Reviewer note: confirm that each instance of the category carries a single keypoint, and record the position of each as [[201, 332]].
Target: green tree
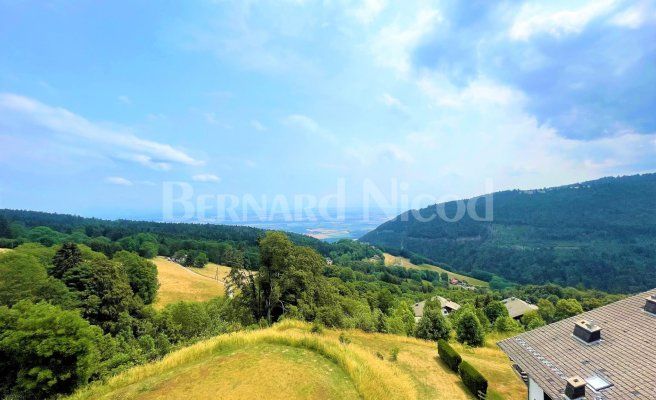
[[494, 310], [22, 277], [532, 320], [402, 319], [104, 291], [469, 330], [5, 231], [142, 275], [433, 325], [66, 258], [200, 260], [148, 249], [507, 324], [547, 310], [566, 308], [45, 350]]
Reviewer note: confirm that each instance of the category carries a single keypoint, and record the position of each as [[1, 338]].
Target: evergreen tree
[[66, 258], [5, 230]]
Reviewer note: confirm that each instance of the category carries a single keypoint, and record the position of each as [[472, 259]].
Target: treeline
[[219, 243], [599, 234]]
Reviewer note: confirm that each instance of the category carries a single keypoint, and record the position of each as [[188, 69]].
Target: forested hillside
[[600, 234], [219, 243]]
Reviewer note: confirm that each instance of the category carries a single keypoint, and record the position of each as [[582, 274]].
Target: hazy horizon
[[102, 104]]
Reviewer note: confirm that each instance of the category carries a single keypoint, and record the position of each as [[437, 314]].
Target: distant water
[[352, 224]]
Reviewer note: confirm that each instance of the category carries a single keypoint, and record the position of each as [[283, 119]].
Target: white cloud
[[117, 180], [368, 154], [368, 10], [392, 46], [206, 178], [309, 126], [257, 125], [302, 121], [635, 16], [65, 122], [147, 161], [537, 18], [125, 100], [392, 102]]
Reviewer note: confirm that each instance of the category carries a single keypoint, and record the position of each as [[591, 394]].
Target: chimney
[[587, 331], [575, 388], [650, 305]]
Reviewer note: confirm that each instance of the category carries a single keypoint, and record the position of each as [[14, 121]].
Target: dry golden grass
[[287, 362], [178, 283], [173, 377], [210, 270], [432, 379], [405, 263], [3, 250]]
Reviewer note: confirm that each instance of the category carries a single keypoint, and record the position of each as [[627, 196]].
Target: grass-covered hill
[[601, 234], [289, 361]]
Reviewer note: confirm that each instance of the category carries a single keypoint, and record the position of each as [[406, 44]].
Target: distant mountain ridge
[[601, 234]]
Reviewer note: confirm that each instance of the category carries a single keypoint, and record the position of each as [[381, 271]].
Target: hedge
[[473, 379], [448, 354]]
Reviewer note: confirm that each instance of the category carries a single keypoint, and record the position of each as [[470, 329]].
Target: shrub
[[507, 324], [343, 339], [448, 354], [472, 379], [394, 354], [316, 328]]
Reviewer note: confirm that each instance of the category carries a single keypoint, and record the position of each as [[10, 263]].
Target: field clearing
[[2, 250], [287, 362], [210, 270], [391, 260], [177, 283]]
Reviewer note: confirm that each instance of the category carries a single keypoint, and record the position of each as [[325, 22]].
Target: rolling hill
[[289, 362], [601, 234]]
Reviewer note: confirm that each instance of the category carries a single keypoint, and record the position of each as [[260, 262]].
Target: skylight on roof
[[597, 383]]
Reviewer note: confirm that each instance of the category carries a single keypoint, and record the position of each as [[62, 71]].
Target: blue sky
[[100, 103]]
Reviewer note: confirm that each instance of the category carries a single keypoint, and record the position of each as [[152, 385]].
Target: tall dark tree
[[66, 258], [5, 230]]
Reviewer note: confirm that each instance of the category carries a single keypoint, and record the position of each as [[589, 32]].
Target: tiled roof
[[517, 307], [625, 356], [418, 308]]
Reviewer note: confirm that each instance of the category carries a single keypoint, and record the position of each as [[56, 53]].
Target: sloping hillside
[[289, 362], [178, 283], [601, 234], [392, 261]]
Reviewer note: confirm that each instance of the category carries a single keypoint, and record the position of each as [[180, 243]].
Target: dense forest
[[598, 234], [218, 242], [71, 314]]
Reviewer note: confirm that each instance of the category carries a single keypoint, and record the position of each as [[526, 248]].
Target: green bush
[[448, 354], [472, 379]]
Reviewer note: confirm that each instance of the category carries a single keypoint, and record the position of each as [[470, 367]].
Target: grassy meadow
[[178, 283], [391, 260], [288, 361], [210, 270]]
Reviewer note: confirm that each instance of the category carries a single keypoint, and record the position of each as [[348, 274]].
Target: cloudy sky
[[100, 103]]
